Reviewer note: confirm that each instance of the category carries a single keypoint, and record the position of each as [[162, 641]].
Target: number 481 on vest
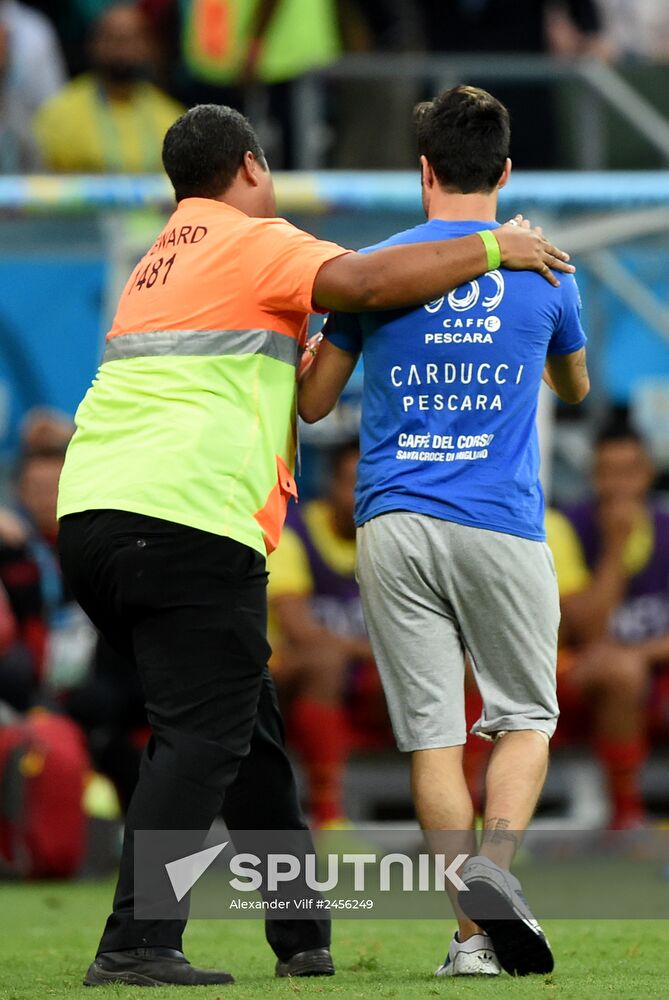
[[159, 268]]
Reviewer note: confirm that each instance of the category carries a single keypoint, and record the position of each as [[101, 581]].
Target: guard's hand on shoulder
[[526, 249]]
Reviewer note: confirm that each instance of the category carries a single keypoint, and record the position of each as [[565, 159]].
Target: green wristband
[[492, 248]]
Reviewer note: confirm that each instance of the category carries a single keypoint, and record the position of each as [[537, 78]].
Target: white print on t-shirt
[[423, 447], [467, 296], [446, 373], [487, 293]]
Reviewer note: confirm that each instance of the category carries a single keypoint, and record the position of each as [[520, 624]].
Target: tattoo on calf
[[497, 832]]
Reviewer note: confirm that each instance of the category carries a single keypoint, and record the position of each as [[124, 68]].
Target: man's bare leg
[[443, 802], [514, 779], [493, 897]]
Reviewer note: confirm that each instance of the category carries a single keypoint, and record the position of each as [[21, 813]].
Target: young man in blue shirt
[[452, 556]]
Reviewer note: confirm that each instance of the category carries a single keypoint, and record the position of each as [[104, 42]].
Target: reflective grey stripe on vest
[[213, 343]]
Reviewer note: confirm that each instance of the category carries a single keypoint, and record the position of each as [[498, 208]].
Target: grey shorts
[[433, 590]]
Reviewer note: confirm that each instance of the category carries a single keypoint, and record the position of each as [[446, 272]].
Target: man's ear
[[506, 173], [426, 174], [249, 169]]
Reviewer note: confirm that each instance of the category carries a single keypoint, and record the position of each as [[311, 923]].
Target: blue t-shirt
[[450, 394]]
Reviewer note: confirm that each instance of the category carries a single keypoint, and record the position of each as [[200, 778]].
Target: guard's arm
[[400, 276]]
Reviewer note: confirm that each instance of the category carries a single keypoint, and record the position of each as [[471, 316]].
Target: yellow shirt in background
[[288, 566], [79, 130], [570, 565]]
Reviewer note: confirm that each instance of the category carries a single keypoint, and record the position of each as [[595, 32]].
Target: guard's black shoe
[[315, 962], [151, 967], [494, 900]]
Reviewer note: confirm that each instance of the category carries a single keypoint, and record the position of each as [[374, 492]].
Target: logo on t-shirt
[[467, 296], [486, 292]]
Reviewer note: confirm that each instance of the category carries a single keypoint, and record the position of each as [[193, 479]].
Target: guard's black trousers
[[190, 608]]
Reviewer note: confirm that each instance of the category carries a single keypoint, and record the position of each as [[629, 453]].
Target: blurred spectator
[[96, 687], [322, 655], [517, 26], [7, 624], [73, 19], [31, 70], [638, 30], [18, 149], [23, 619], [374, 117], [612, 561], [37, 489], [35, 64], [45, 429], [29, 575], [111, 119], [22, 625], [248, 53], [70, 637]]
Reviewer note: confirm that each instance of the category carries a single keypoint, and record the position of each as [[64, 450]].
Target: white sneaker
[[473, 957]]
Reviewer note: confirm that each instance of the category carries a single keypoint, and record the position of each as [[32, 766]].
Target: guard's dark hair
[[204, 149], [465, 134]]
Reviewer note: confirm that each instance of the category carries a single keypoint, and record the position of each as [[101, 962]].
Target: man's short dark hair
[[204, 149], [465, 134]]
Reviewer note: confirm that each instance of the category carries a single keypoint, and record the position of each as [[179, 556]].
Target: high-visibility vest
[[191, 417], [302, 35]]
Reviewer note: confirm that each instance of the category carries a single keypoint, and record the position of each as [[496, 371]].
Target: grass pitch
[[48, 933]]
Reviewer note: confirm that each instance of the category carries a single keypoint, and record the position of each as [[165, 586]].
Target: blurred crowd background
[[89, 87]]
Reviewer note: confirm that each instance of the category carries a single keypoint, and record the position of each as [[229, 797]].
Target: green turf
[[48, 933]]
